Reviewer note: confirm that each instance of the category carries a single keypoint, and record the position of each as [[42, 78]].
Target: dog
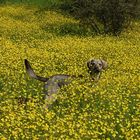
[[95, 67], [55, 82], [52, 83]]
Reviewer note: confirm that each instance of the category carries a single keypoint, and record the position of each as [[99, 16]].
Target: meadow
[[54, 43]]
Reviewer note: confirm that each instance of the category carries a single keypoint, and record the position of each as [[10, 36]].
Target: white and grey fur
[[52, 83], [95, 67], [55, 82]]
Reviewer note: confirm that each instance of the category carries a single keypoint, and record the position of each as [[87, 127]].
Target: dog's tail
[[32, 74]]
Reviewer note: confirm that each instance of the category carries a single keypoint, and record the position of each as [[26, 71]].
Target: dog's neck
[[94, 75]]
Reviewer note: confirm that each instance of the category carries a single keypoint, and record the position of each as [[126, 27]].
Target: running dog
[[55, 82], [52, 83]]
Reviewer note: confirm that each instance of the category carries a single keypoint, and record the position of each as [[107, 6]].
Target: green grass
[[40, 3], [54, 43]]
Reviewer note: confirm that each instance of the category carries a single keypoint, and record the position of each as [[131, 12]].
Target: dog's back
[[52, 83]]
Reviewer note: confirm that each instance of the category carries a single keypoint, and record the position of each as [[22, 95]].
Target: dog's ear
[[88, 64], [104, 64]]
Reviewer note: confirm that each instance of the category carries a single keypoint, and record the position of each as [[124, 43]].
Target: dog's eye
[[92, 63]]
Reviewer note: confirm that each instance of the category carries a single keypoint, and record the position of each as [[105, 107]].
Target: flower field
[[54, 44]]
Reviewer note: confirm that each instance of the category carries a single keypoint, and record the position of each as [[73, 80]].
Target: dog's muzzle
[[94, 67]]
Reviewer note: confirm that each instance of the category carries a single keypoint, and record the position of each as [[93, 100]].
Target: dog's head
[[96, 65]]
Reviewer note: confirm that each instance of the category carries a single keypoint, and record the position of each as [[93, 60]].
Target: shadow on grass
[[72, 29], [1, 84]]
